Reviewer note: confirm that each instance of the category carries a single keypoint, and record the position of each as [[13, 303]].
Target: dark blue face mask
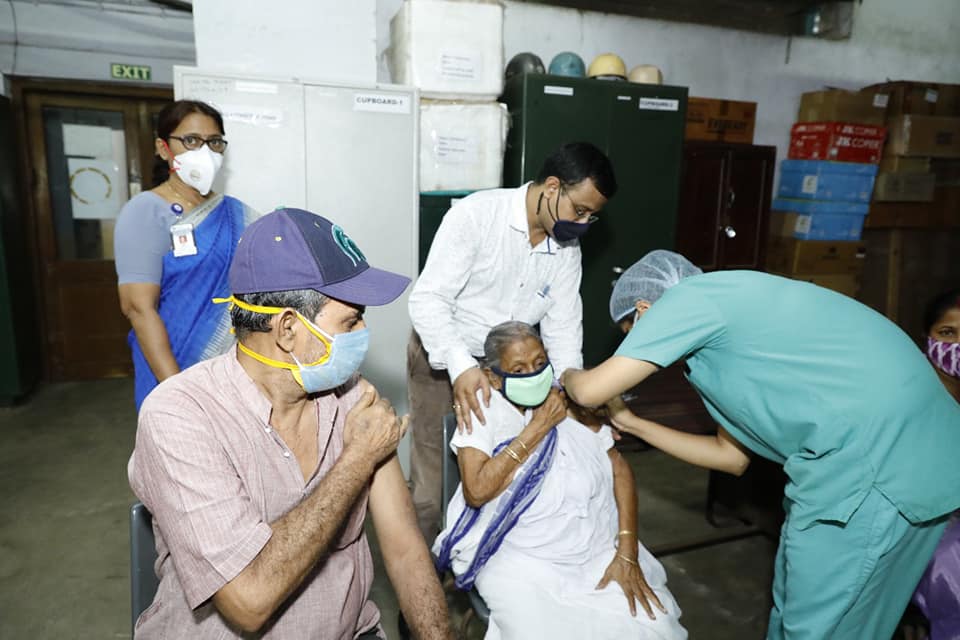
[[563, 230]]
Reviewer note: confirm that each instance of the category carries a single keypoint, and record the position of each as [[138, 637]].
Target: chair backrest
[[450, 470], [143, 555]]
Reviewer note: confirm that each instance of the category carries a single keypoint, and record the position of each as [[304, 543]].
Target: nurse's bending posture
[[822, 384], [545, 520]]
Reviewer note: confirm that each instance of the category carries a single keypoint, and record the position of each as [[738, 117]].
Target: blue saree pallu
[[516, 499], [197, 328]]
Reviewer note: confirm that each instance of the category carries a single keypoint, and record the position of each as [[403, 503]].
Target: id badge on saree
[[183, 241]]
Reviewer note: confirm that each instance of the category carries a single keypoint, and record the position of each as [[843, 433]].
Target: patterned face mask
[[944, 356]]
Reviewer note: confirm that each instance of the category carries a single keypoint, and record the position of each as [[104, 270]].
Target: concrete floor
[[64, 545]]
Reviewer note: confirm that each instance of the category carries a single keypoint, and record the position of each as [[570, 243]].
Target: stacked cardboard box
[[452, 51], [825, 189], [716, 120], [833, 265], [922, 153]]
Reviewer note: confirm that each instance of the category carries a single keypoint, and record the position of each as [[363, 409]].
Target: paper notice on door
[[381, 102], [87, 141], [94, 188], [659, 104], [459, 65], [809, 184], [880, 100], [454, 149]]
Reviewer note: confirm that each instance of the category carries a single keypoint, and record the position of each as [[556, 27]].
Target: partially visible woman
[[545, 518], [173, 246], [938, 593]]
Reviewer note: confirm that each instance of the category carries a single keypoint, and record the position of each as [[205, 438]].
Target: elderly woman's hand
[[626, 572], [552, 411]]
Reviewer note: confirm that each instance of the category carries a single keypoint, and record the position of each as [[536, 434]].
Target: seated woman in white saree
[[544, 521]]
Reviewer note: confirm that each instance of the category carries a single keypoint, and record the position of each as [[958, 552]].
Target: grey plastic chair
[[143, 555], [451, 478]]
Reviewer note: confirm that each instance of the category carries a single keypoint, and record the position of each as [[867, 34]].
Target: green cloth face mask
[[526, 389]]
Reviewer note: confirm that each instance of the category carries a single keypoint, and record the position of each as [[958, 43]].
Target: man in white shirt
[[502, 254]]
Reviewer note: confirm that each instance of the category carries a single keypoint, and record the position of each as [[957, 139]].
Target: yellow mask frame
[[324, 339]]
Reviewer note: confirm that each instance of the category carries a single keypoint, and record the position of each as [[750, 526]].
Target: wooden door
[[703, 190], [746, 207], [87, 153]]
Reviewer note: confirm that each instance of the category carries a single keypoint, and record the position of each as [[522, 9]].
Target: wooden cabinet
[[725, 192]]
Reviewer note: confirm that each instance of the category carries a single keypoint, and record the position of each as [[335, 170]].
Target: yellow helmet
[[645, 74], [607, 66]]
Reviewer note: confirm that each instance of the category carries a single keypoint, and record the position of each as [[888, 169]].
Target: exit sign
[[129, 71]]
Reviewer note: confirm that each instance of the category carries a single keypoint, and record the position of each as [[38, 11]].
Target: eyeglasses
[[579, 211], [192, 142]]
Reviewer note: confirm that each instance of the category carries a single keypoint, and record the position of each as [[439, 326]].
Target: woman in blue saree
[[173, 246]]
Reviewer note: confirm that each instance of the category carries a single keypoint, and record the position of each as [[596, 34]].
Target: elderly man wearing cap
[[259, 466], [816, 381]]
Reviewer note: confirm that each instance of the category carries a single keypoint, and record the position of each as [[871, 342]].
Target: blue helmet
[[568, 63]]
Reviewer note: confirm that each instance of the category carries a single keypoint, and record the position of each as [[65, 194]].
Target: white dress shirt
[[482, 271]]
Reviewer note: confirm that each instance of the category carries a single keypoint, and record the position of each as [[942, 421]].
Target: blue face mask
[[346, 352]]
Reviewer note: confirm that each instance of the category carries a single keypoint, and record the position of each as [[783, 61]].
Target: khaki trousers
[[430, 396]]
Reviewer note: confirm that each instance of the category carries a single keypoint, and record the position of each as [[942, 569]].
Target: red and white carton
[[837, 141]]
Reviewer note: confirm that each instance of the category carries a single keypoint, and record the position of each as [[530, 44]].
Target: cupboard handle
[[730, 231], [618, 270], [731, 197]]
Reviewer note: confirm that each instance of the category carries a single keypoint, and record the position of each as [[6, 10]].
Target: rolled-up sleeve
[[185, 477]]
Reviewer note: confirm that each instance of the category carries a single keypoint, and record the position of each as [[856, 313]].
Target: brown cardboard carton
[[900, 164], [932, 136], [944, 211], [837, 105], [847, 284], [919, 98], [946, 171], [904, 187], [790, 256], [720, 120], [915, 98]]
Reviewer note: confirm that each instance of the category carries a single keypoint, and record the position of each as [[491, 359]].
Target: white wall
[[891, 39], [81, 40], [329, 40]]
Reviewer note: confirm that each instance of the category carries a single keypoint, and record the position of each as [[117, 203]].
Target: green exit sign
[[129, 71]]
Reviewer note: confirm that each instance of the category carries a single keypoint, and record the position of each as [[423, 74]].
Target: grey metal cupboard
[[348, 153], [640, 128]]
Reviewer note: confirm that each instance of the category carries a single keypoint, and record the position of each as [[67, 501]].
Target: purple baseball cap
[[290, 249]]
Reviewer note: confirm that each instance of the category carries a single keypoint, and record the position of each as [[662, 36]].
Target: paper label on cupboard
[[381, 102], [659, 104]]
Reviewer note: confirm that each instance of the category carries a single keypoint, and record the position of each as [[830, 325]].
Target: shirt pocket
[[533, 309]]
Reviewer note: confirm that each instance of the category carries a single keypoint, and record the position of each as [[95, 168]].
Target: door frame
[[25, 90]]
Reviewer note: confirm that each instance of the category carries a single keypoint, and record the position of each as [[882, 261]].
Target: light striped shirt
[[214, 474]]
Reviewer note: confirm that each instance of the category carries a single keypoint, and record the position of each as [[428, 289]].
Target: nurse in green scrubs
[[825, 386]]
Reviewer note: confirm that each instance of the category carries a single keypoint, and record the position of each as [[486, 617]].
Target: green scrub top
[[816, 381]]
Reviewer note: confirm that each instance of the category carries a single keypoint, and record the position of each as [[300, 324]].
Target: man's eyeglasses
[[579, 211], [192, 142]]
